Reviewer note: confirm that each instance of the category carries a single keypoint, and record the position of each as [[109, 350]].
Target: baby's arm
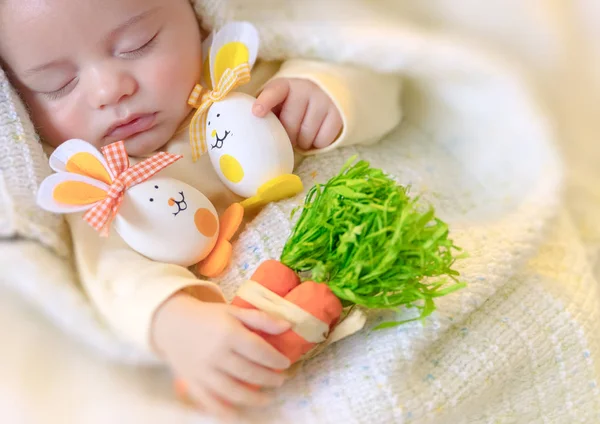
[[127, 288], [165, 309], [324, 106]]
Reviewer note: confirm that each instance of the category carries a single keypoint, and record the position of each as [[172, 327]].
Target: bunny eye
[[151, 199], [218, 114], [209, 123], [156, 187]]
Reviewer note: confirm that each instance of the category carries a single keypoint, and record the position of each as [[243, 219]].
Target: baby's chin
[[148, 142]]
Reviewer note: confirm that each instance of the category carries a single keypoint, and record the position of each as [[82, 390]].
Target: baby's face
[[103, 70]]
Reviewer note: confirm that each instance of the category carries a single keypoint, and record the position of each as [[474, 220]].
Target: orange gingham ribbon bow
[[202, 99], [124, 176]]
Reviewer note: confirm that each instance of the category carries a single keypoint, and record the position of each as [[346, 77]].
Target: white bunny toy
[[253, 156], [161, 218]]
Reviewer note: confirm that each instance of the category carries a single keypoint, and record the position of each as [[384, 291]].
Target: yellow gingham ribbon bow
[[202, 99]]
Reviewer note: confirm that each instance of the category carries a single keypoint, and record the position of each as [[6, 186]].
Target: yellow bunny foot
[[278, 188]]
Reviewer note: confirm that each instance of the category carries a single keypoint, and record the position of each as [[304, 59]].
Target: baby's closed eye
[[139, 48]]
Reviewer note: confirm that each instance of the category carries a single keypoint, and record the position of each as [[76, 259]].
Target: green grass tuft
[[372, 244]]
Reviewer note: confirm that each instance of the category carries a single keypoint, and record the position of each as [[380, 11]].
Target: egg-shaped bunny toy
[[246, 151], [253, 156], [161, 218], [168, 221]]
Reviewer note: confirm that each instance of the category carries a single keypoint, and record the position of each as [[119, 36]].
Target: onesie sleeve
[[126, 287], [369, 102]]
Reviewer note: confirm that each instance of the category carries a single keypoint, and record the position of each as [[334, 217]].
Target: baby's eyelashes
[[140, 51], [52, 80], [57, 94]]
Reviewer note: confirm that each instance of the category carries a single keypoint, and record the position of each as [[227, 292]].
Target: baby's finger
[[242, 369], [292, 113], [272, 95], [235, 392], [330, 129], [207, 402], [311, 123], [254, 348], [259, 320]]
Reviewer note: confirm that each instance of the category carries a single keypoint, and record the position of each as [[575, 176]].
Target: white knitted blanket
[[517, 345]]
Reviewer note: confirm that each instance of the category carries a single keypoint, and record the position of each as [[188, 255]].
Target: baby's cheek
[[58, 122], [174, 80]]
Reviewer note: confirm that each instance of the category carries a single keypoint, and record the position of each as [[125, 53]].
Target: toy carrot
[[368, 244], [312, 307]]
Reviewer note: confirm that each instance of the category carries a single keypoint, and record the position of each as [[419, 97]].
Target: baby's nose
[[171, 201], [109, 86]]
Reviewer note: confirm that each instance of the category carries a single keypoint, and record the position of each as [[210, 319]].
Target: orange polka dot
[[206, 222]]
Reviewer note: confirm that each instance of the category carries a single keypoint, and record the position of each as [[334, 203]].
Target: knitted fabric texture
[[517, 345]]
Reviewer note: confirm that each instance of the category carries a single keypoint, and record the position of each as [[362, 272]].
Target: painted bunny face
[[168, 221], [161, 218], [246, 151], [251, 155]]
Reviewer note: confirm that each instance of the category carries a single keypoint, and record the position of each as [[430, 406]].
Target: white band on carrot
[[307, 326]]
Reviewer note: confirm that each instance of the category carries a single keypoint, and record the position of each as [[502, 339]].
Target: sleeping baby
[[122, 70]]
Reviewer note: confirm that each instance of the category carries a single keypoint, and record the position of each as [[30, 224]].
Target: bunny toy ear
[[65, 192], [234, 44], [80, 157], [82, 179]]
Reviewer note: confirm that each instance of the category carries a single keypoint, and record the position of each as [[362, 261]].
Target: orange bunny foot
[[230, 221], [216, 262], [218, 259]]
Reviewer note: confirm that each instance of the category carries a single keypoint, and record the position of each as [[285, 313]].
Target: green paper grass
[[372, 244]]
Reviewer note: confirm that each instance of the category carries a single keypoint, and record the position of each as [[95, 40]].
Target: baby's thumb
[[261, 321]]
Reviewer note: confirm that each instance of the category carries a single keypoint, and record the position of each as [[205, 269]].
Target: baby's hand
[[307, 113], [209, 347]]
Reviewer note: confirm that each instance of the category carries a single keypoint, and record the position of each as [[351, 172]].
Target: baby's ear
[[79, 157], [206, 47], [234, 44], [68, 193]]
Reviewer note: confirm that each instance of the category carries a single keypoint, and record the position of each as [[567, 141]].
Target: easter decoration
[[360, 242], [161, 218], [252, 156]]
